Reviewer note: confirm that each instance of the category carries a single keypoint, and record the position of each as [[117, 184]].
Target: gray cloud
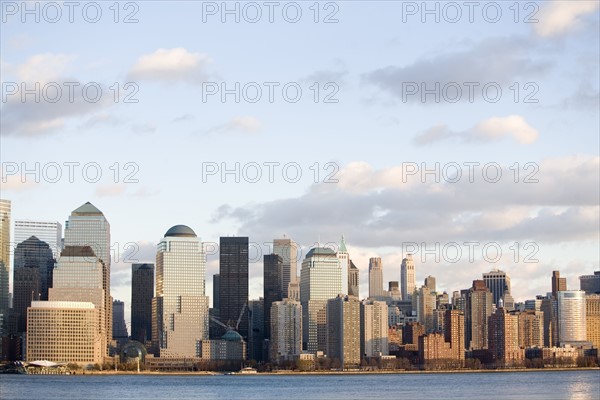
[[500, 60]]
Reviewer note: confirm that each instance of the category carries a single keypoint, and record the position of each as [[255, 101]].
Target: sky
[[465, 133]]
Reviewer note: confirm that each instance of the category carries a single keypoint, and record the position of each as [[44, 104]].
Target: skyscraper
[[531, 328], [343, 330], [592, 319], [233, 278], [375, 277], [87, 226], [478, 308], [498, 282], [571, 317], [79, 277], [590, 284], [256, 332], [430, 283], [286, 330], [407, 277], [34, 265], [46, 231], [216, 297], [320, 280], [373, 328], [287, 249], [344, 258], [454, 332], [272, 268], [503, 336], [119, 327], [142, 292], [180, 308], [353, 280], [424, 302], [558, 284], [5, 246]]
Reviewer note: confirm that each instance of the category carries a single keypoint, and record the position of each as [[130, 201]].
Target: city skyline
[[301, 251], [378, 149]]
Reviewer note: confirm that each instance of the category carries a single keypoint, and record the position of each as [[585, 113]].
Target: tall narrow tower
[[407, 277], [375, 277], [233, 281], [344, 258], [4, 255], [180, 308]]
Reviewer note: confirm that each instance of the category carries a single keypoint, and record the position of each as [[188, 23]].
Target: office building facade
[[142, 292], [180, 308]]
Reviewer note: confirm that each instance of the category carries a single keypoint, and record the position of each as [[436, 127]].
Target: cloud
[[474, 64], [560, 17], [391, 212], [491, 129], [14, 183], [43, 68], [171, 65], [57, 97], [244, 124]]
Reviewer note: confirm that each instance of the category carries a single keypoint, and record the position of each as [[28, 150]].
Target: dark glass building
[[233, 283], [142, 291], [272, 271], [34, 264]]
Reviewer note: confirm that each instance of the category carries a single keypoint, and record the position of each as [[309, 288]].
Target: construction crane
[[228, 327]]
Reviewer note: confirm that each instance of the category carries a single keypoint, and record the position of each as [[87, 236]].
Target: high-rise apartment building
[[343, 330], [5, 251], [498, 282], [320, 280], [571, 317], [592, 319], [233, 282], [87, 226], [33, 268], [344, 257], [375, 277], [287, 249], [49, 232], [142, 292], [286, 330], [503, 338], [407, 277], [272, 269], [180, 308], [373, 328], [478, 308], [531, 328], [454, 332]]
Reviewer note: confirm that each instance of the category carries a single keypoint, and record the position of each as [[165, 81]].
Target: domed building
[[180, 308]]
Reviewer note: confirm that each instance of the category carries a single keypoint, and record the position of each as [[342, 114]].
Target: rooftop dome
[[180, 231], [232, 336]]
